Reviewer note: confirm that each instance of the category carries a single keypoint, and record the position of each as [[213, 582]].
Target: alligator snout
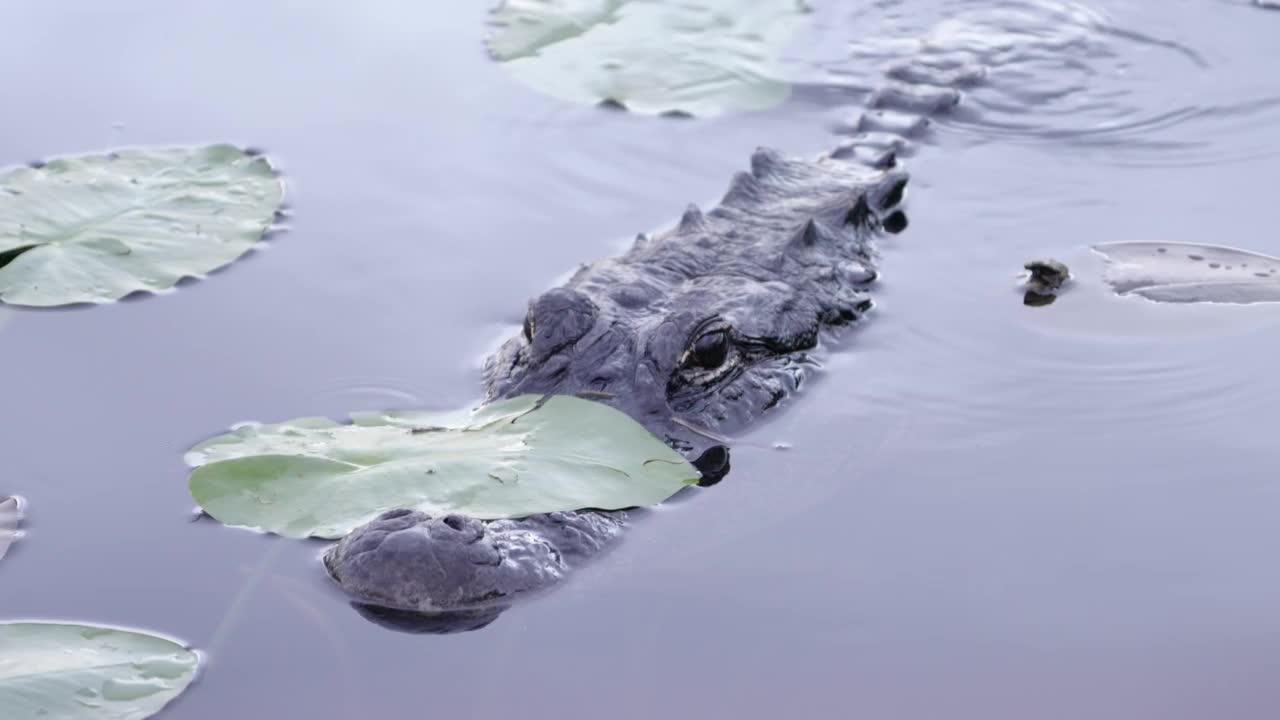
[[412, 561]]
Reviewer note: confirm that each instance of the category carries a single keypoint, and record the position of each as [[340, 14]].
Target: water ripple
[[974, 382], [1043, 71], [372, 392]]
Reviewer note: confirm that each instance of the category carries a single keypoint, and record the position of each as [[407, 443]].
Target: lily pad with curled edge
[[1189, 273], [530, 454], [95, 228], [10, 517], [698, 57], [53, 671]]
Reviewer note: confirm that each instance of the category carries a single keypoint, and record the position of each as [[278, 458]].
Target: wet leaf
[[314, 477], [10, 517], [51, 671], [95, 228], [702, 57], [1185, 272]]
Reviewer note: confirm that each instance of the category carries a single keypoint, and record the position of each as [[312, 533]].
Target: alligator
[[695, 332]]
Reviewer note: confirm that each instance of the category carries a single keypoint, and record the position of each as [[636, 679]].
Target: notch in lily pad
[[313, 477], [89, 672], [96, 228]]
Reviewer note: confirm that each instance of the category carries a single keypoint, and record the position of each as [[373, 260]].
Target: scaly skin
[[694, 332]]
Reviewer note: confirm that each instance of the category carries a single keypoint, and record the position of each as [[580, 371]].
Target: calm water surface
[[985, 511]]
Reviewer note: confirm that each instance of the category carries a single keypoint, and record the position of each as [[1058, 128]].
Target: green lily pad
[[701, 57], [1191, 272], [95, 228], [51, 671], [531, 454], [10, 517]]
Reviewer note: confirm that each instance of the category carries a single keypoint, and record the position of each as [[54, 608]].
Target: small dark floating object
[[676, 114], [613, 104], [1047, 274], [1047, 277]]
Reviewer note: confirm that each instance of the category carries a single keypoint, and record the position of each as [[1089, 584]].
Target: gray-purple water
[[987, 511]]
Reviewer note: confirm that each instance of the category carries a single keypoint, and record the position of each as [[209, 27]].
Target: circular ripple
[[372, 393], [1039, 70], [999, 372]]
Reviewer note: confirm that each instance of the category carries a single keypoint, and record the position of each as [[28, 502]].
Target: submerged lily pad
[[95, 228], [51, 671], [1187, 273], [531, 454], [10, 516], [702, 57]]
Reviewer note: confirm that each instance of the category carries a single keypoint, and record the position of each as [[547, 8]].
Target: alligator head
[[699, 330]]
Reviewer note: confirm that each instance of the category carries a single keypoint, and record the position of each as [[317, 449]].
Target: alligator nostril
[[457, 522], [895, 223], [713, 464]]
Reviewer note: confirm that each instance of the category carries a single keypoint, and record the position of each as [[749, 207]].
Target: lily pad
[[700, 57], [531, 454], [51, 671], [1188, 273], [95, 228], [10, 517]]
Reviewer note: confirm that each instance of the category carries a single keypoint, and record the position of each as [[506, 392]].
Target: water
[[986, 510]]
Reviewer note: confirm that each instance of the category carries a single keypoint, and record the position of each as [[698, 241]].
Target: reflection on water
[[987, 510], [416, 623]]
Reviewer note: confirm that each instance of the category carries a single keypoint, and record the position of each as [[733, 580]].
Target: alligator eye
[[709, 351], [528, 327]]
